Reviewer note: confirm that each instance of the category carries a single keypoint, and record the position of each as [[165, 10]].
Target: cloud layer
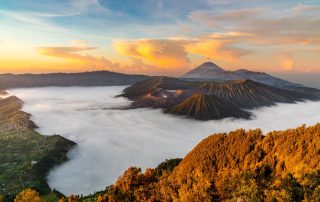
[[109, 141]]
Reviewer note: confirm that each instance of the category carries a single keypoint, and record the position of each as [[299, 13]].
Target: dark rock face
[[211, 71], [206, 107], [205, 100]]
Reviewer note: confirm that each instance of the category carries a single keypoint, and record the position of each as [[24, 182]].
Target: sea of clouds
[[109, 141]]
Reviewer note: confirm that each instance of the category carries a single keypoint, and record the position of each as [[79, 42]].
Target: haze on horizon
[[164, 37]]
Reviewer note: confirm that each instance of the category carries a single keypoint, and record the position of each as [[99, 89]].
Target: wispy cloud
[[43, 19], [213, 18], [305, 8], [74, 54]]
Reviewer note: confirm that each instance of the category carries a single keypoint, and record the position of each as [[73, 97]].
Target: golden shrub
[[28, 195]]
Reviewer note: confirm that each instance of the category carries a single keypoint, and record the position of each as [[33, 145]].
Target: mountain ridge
[[210, 70], [95, 78], [167, 93]]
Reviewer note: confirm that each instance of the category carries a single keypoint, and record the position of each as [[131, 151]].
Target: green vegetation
[[25, 155]]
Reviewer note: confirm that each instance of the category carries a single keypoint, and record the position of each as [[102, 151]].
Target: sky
[[159, 37]]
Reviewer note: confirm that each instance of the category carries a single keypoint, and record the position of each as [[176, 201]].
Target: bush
[[28, 195]]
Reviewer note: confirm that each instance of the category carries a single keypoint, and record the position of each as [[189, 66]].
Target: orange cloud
[[89, 62], [79, 43], [73, 54], [164, 53], [286, 62], [218, 47]]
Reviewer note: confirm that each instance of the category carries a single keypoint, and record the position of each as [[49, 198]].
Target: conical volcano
[[206, 107]]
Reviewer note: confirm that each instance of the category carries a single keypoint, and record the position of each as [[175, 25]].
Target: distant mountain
[[209, 70], [98, 78], [206, 107], [207, 100]]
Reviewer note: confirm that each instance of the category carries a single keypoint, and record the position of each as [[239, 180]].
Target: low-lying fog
[[109, 141]]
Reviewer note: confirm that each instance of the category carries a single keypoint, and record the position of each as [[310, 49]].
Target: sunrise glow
[[158, 37]]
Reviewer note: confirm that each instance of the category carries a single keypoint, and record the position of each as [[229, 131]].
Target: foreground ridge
[[242, 165]]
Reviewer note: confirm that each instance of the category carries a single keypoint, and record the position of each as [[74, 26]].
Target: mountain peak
[[206, 107], [205, 69], [209, 66]]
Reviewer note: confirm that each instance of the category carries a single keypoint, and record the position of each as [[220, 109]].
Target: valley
[[159, 101], [113, 140], [89, 110]]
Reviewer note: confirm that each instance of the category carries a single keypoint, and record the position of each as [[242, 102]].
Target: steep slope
[[210, 71], [265, 78], [26, 156], [250, 94], [98, 78], [207, 107], [152, 84]]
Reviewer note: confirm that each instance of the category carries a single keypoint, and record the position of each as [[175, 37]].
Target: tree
[[292, 187], [101, 199], [28, 195], [73, 198], [62, 199]]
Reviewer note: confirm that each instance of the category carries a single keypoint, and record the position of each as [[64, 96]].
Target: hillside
[[211, 71], [205, 107], [250, 94], [239, 166], [2, 92], [25, 155], [153, 83], [99, 78], [169, 94]]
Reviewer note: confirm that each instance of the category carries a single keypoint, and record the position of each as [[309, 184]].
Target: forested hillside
[[239, 166], [25, 155]]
